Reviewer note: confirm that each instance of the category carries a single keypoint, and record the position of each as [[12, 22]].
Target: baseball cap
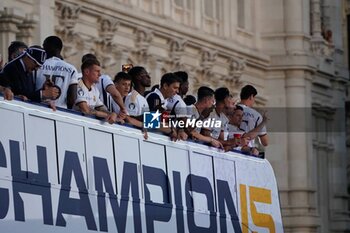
[[37, 54]]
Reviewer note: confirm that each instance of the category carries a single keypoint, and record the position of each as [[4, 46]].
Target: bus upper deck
[[63, 172]]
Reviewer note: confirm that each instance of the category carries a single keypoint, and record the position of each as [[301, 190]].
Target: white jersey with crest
[[90, 96], [251, 119], [61, 73], [177, 105], [215, 131], [136, 104], [102, 84]]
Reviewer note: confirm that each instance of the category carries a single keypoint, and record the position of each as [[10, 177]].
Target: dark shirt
[[19, 80], [154, 102]]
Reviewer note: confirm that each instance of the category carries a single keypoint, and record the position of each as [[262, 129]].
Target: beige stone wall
[[276, 45]]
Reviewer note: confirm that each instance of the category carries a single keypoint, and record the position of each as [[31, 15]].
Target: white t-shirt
[[62, 75], [180, 106], [232, 130], [91, 97], [251, 119], [215, 131], [135, 104], [102, 84], [193, 112]]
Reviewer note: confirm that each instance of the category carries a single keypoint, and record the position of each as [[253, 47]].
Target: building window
[[183, 4], [211, 9], [153, 6], [241, 13], [246, 14], [211, 15], [182, 11]]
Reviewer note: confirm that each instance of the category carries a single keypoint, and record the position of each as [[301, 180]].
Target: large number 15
[[259, 219]]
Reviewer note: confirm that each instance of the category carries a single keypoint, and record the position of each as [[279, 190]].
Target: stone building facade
[[294, 51]]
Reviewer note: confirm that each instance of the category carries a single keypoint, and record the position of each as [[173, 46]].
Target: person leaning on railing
[[88, 101]]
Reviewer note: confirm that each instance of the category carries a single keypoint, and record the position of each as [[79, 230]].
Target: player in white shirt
[[106, 88], [88, 95], [122, 82], [135, 103], [223, 102], [233, 127], [205, 101], [88, 100], [251, 117], [59, 73], [176, 104], [215, 115], [157, 101], [221, 94]]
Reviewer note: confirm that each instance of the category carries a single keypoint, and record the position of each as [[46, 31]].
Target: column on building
[[10, 18], [300, 215], [316, 19], [339, 197], [301, 190], [294, 26]]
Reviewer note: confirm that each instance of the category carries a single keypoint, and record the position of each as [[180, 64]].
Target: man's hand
[[254, 151], [181, 135], [52, 105], [228, 148], [145, 134], [22, 97], [123, 113], [8, 94], [216, 143], [173, 136], [111, 118], [244, 141], [50, 91]]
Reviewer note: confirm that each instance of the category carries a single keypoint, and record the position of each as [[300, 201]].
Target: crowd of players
[[40, 74]]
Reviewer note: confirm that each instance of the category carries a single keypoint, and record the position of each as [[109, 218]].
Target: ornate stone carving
[[208, 58], [26, 29], [236, 68], [177, 48], [9, 20], [143, 40], [321, 48], [107, 28], [68, 15]]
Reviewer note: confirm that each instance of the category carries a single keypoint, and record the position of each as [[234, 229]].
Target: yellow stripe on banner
[[263, 196], [244, 209]]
